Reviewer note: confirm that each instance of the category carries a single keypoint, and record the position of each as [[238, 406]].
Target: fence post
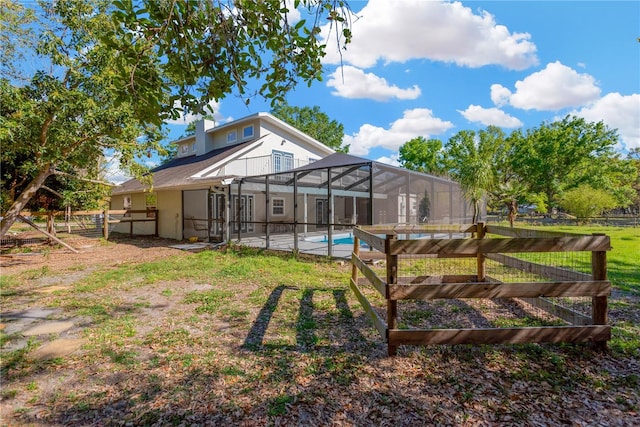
[[156, 214], [105, 224], [51, 229], [356, 252], [392, 305], [599, 304], [480, 229]]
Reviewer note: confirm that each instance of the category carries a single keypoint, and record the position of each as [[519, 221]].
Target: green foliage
[[196, 51], [314, 123], [634, 159], [423, 155], [533, 167], [586, 202], [560, 155], [110, 72], [470, 159]]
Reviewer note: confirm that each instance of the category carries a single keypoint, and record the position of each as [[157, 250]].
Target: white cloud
[[185, 119], [414, 123], [398, 31], [617, 112], [391, 160], [490, 116], [500, 95], [552, 89], [353, 83]]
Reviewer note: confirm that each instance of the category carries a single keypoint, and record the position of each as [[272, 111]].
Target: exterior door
[[242, 206], [217, 208], [322, 212]]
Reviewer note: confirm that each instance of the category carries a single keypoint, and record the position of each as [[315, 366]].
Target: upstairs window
[[282, 161], [193, 147], [184, 149], [232, 136], [247, 132]]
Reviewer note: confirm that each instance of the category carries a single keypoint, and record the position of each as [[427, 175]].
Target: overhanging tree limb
[[94, 181]]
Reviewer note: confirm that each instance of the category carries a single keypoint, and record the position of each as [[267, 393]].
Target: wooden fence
[[96, 223], [559, 282]]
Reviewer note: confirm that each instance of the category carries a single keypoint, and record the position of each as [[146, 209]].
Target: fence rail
[[90, 223], [551, 284]]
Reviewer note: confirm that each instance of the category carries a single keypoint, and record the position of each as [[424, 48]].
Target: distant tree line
[[570, 164]]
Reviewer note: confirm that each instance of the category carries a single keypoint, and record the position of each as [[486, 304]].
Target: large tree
[[422, 155], [108, 73], [634, 158], [469, 161], [554, 157], [314, 123]]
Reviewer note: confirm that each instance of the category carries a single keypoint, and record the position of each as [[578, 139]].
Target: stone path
[[35, 322]]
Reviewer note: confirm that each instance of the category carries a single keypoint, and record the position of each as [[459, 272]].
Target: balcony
[[262, 165]]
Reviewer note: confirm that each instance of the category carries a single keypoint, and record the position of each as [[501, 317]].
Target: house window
[[247, 132], [232, 136], [126, 202], [184, 149], [193, 147], [282, 161], [277, 206]]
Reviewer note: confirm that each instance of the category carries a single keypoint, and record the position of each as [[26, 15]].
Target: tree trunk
[[512, 206], [12, 213]]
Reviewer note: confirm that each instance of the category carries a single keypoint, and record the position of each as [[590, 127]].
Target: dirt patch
[[92, 252]]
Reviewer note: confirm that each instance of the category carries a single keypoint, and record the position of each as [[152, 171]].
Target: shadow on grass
[[306, 325]]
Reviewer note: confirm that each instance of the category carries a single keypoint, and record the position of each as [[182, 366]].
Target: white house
[[190, 192]]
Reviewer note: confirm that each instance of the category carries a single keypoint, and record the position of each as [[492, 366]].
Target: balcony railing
[[251, 166]]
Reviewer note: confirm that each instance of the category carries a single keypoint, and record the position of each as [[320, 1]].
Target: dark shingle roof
[[178, 171]]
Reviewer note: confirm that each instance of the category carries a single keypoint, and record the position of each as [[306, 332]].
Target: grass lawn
[[247, 337], [623, 261]]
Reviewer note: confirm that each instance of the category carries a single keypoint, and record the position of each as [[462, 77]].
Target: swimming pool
[[338, 239]]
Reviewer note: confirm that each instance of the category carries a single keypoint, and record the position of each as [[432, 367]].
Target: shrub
[[585, 202]]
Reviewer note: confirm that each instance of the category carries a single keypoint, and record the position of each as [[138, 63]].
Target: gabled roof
[[269, 118], [178, 172]]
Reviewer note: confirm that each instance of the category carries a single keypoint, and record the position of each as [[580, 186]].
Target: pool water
[[341, 240]]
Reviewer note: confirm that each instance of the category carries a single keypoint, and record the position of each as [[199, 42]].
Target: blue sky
[[431, 69]]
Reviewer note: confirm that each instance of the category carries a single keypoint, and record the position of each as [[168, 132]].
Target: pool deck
[[311, 243], [306, 244]]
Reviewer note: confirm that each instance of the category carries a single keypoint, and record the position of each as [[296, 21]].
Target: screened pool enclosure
[[313, 208]]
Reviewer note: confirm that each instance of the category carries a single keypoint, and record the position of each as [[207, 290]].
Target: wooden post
[[392, 305], [599, 304], [130, 224], [157, 214], [480, 229], [356, 251], [51, 229], [105, 224]]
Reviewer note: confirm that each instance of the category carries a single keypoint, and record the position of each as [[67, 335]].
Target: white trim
[[267, 117]]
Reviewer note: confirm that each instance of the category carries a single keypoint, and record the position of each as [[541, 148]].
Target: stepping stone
[[48, 328], [18, 321], [58, 348]]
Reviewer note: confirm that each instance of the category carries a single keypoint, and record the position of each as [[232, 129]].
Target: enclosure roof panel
[[333, 161]]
